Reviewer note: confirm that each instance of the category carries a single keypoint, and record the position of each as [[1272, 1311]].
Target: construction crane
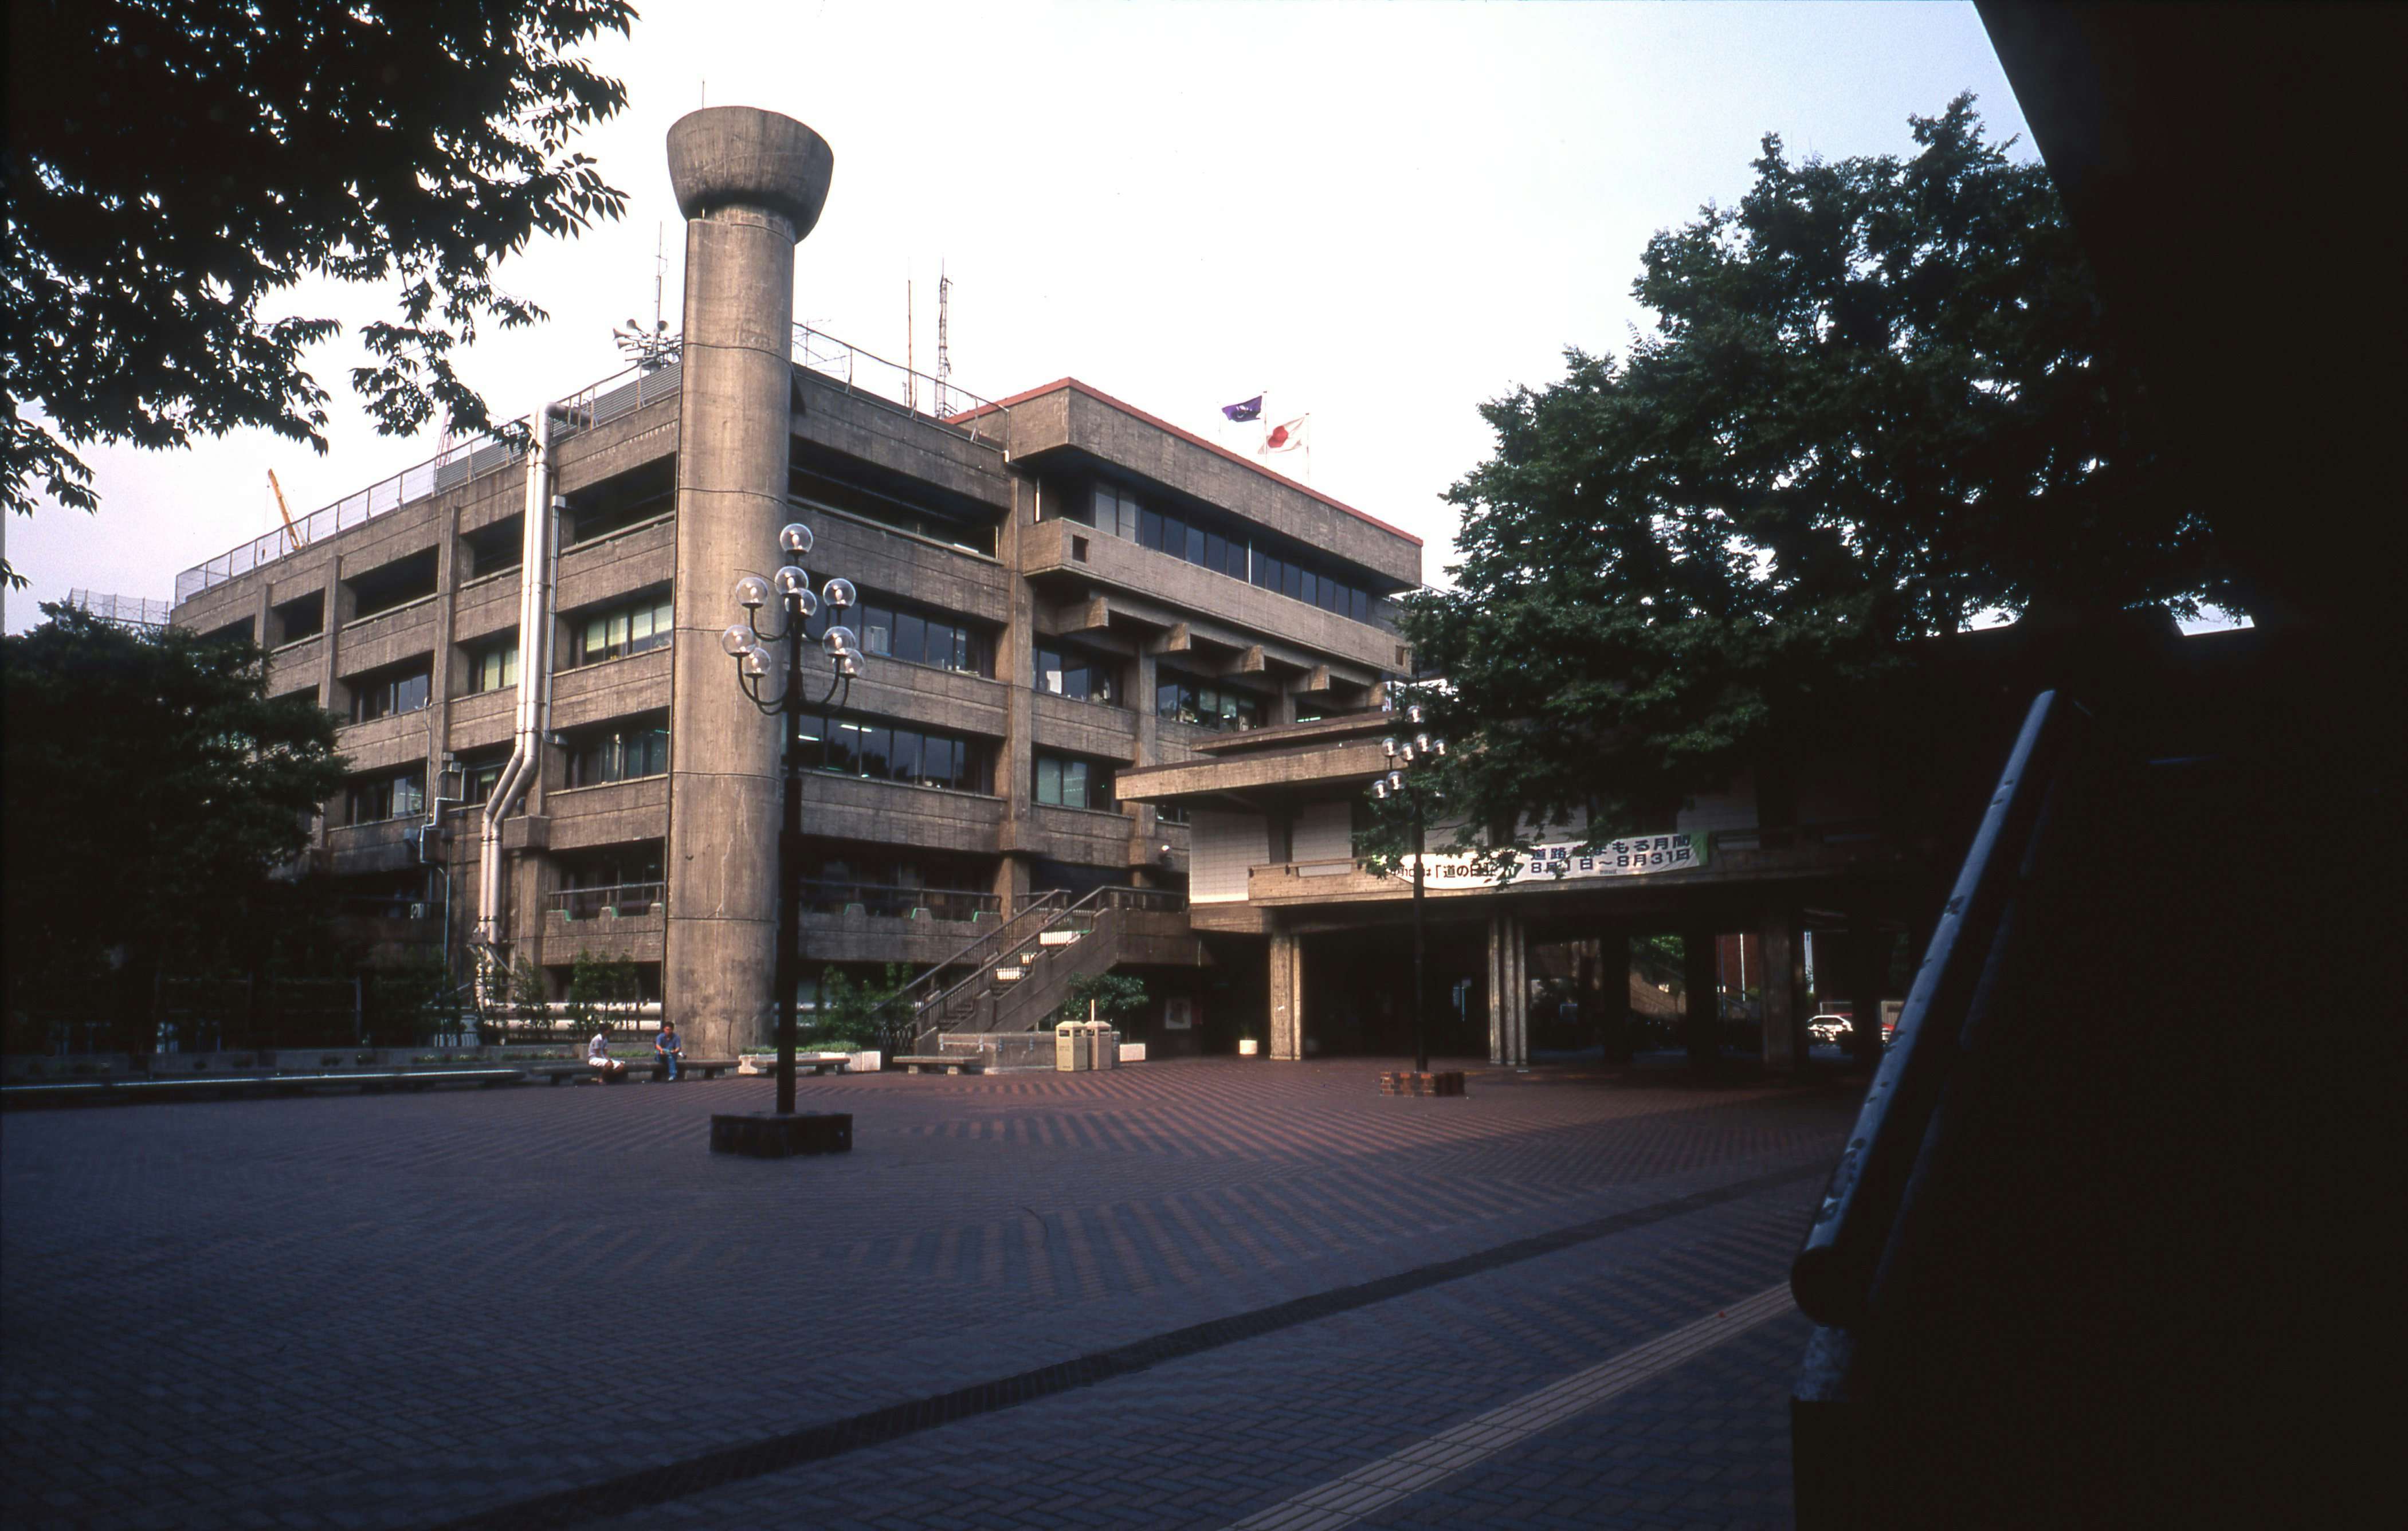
[[291, 532]]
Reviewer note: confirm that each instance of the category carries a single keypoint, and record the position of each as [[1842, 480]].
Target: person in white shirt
[[597, 1053]]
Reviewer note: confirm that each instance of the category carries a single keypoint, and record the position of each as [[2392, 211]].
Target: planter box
[[1132, 1053], [1249, 1048]]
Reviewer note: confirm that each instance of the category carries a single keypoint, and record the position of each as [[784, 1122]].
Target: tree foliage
[[861, 1015], [1111, 994], [154, 796], [1877, 400], [175, 165]]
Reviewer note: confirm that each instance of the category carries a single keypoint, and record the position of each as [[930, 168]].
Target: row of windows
[[1192, 699], [1066, 672], [405, 688], [922, 637], [400, 796], [494, 666], [624, 752], [1068, 781], [1116, 511], [882, 751], [632, 629]]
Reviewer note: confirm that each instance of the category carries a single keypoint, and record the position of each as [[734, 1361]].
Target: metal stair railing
[[928, 991], [964, 997], [1835, 1272]]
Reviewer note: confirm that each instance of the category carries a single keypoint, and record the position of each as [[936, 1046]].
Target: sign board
[[1637, 855], [1178, 1013]]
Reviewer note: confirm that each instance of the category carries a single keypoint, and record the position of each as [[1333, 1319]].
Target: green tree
[[861, 1015], [600, 988], [1110, 993], [154, 798], [175, 165], [1878, 399], [529, 994]]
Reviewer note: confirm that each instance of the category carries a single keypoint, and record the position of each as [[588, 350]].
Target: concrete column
[[1614, 991], [1509, 992], [1784, 990], [1867, 971], [1287, 997], [1701, 976], [750, 184]]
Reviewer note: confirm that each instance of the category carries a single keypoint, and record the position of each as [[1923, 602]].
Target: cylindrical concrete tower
[[751, 184]]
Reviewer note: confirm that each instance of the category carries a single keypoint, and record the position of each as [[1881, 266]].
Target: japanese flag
[[1285, 438]]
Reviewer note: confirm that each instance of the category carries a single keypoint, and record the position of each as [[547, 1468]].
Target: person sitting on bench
[[666, 1049], [598, 1053]]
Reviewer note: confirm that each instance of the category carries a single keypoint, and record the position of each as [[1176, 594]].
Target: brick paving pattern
[[404, 1311]]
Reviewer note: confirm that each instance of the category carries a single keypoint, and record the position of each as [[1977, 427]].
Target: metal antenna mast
[[944, 355]]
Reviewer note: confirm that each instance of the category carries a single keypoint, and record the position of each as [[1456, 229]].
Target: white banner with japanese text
[[1635, 856]]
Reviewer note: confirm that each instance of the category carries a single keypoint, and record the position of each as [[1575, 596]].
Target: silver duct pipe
[[537, 541]]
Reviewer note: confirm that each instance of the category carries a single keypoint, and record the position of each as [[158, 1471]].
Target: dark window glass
[[1172, 813], [1189, 699], [1358, 604], [1149, 527], [911, 637], [903, 756], [1198, 544], [400, 796], [1267, 571], [870, 746], [405, 689], [632, 629], [1216, 552], [1291, 581], [1235, 564], [1066, 781], [1308, 588], [620, 752], [876, 624], [494, 666]]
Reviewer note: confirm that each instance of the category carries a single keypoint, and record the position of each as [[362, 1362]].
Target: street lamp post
[[748, 645], [1419, 750]]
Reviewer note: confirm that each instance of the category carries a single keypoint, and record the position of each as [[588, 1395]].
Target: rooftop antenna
[[653, 349], [911, 367], [944, 352]]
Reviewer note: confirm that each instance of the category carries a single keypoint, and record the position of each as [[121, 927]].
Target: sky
[[1378, 215]]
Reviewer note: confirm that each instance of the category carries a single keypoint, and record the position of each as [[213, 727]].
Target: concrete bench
[[709, 1068], [805, 1063], [950, 1063]]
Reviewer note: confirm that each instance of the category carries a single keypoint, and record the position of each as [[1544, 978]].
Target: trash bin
[[1100, 1044], [1111, 1047], [1070, 1048]]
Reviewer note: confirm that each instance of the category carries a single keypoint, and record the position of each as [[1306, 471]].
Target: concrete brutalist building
[[550, 752]]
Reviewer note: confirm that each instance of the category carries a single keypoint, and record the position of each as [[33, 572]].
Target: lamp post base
[[1407, 1083], [767, 1134]]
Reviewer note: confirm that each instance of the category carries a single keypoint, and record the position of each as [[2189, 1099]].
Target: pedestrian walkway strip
[[1368, 1491], [673, 1480]]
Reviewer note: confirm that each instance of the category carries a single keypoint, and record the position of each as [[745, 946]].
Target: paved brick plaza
[[554, 1306]]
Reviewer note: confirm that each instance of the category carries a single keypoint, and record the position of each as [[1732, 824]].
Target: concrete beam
[[1177, 638]]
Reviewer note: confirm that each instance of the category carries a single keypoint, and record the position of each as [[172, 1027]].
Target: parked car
[[1830, 1028]]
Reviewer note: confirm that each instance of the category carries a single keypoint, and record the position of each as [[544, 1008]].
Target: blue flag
[[1251, 409]]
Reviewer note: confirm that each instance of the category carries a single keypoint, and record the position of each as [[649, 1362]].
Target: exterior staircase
[[1018, 978]]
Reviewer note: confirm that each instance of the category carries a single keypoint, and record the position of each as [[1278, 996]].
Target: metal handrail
[[593, 404], [897, 896], [587, 903], [1113, 896], [929, 978], [1834, 1271]]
